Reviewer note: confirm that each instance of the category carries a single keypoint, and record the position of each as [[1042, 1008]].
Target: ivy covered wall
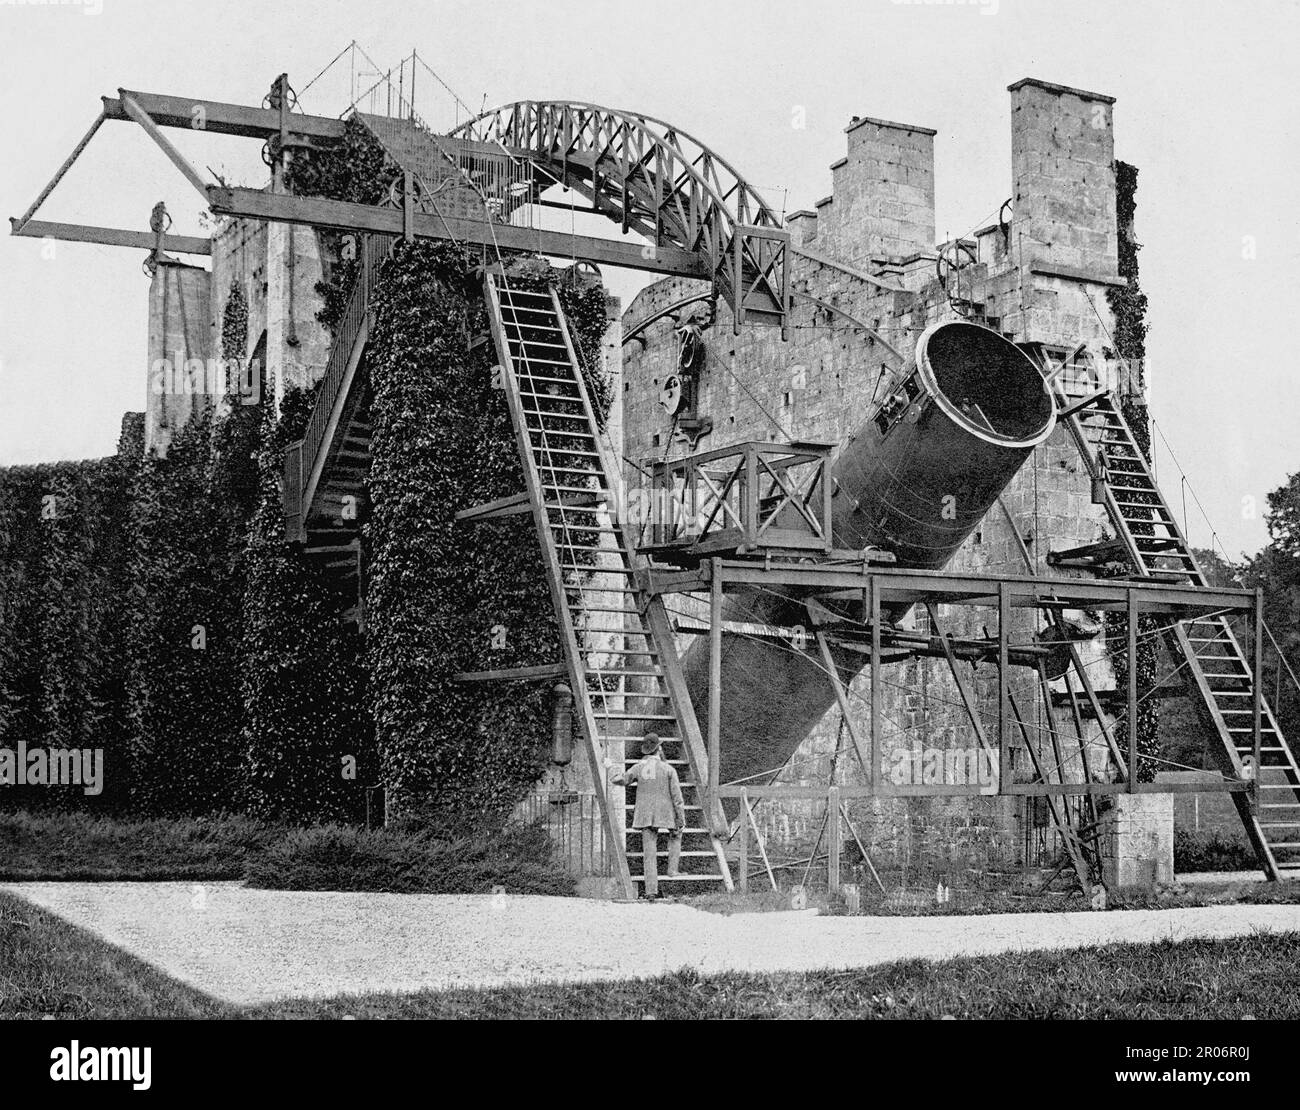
[[1129, 305], [158, 612], [447, 596], [64, 569]]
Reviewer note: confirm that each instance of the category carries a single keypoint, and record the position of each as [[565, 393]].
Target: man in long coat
[[659, 808]]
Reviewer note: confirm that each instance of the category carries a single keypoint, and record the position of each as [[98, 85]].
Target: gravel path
[[250, 946]]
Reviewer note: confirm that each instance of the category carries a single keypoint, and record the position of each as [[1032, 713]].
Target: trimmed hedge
[[83, 847], [1212, 852], [520, 861]]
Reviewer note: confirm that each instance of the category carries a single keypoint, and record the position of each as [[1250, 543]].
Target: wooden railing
[[302, 458], [749, 497]]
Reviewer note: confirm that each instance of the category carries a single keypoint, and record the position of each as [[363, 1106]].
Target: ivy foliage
[[445, 597], [62, 570], [1129, 306], [358, 170], [306, 735], [158, 611], [184, 632]]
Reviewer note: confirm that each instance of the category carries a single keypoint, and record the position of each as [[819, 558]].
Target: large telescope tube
[[916, 480]]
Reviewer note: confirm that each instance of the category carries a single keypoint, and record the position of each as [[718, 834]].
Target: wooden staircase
[[325, 471], [618, 646], [1215, 670]]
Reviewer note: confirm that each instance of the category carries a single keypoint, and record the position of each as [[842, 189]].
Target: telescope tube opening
[[986, 383]]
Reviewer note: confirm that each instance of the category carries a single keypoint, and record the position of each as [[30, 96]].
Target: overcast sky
[[1207, 96]]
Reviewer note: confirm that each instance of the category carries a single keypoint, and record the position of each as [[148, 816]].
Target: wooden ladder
[[618, 645], [1216, 672]]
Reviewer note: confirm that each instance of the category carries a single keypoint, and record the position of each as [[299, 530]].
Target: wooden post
[[1132, 610], [968, 700], [1257, 687], [715, 677], [749, 495], [743, 876], [841, 697], [408, 207], [758, 839], [1004, 684], [873, 589], [833, 839], [828, 491]]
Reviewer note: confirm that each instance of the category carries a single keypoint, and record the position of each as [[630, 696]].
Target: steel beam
[[1030, 789], [58, 175], [221, 118], [109, 236], [344, 216], [151, 129], [902, 585]]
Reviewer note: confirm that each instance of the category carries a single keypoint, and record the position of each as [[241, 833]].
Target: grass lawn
[[50, 967], [963, 903]]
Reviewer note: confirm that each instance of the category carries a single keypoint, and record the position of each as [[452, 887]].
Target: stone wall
[[277, 267], [1039, 274], [282, 298], [179, 346], [1137, 839]]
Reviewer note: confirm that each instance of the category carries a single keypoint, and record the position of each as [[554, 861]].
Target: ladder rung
[[558, 381], [683, 878], [546, 311], [636, 716], [595, 494], [598, 570], [515, 330], [611, 736]]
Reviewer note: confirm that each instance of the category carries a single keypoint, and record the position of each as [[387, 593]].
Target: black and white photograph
[[599, 510]]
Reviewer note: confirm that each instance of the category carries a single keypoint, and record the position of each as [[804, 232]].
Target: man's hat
[[650, 743]]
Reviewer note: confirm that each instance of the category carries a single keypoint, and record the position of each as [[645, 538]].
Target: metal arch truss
[[660, 182]]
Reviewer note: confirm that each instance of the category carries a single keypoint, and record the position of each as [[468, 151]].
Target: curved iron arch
[[657, 180]]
